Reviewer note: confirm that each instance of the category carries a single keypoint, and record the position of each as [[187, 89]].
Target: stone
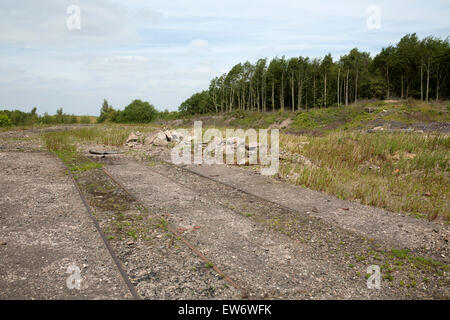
[[148, 141], [168, 134], [161, 139], [132, 138]]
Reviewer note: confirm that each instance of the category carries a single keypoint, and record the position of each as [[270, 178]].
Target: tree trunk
[[273, 96], [387, 77], [282, 92], [437, 85], [325, 92], [421, 81], [306, 98], [428, 81], [263, 94], [338, 95], [401, 96], [293, 93], [258, 105], [300, 92], [346, 88], [314, 92]]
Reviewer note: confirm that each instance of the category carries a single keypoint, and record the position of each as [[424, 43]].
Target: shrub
[[137, 112], [4, 121], [20, 118]]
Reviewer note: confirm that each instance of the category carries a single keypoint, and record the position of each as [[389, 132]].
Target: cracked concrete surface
[[45, 228]]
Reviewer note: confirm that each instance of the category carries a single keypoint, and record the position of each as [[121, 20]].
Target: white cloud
[[199, 44], [43, 23], [164, 51], [119, 64]]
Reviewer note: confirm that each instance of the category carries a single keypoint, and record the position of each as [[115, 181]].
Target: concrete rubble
[[162, 138]]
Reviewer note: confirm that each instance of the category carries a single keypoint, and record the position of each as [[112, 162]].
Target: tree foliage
[[20, 118], [198, 103], [413, 68], [105, 112], [4, 121]]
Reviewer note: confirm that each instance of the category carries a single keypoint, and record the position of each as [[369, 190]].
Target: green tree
[[138, 112], [198, 103], [105, 112]]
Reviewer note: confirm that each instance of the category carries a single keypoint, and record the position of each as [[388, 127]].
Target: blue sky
[[162, 51]]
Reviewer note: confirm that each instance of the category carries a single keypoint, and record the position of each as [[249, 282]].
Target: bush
[[4, 121], [20, 118], [136, 112]]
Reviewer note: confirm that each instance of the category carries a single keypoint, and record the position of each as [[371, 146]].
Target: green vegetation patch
[[401, 172], [4, 121], [319, 118], [62, 144]]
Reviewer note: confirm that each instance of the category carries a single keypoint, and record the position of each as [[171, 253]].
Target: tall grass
[[104, 135], [62, 143], [401, 172]]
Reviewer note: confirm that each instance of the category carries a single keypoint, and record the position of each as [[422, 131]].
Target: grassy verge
[[62, 144], [108, 135]]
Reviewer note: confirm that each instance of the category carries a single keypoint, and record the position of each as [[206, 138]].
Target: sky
[[163, 51]]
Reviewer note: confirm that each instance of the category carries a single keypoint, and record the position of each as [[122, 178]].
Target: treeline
[[20, 118], [412, 68], [136, 112]]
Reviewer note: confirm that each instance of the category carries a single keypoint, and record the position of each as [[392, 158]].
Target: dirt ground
[[203, 232]]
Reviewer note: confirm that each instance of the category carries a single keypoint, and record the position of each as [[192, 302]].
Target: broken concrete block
[[132, 138], [148, 141]]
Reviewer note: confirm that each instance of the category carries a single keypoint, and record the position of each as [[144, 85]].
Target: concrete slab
[[45, 229]]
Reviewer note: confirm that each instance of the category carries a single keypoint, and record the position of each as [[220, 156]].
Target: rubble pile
[[160, 138], [250, 152]]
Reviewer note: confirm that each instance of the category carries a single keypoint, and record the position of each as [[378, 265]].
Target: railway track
[[316, 230], [183, 239], [116, 260], [122, 270]]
